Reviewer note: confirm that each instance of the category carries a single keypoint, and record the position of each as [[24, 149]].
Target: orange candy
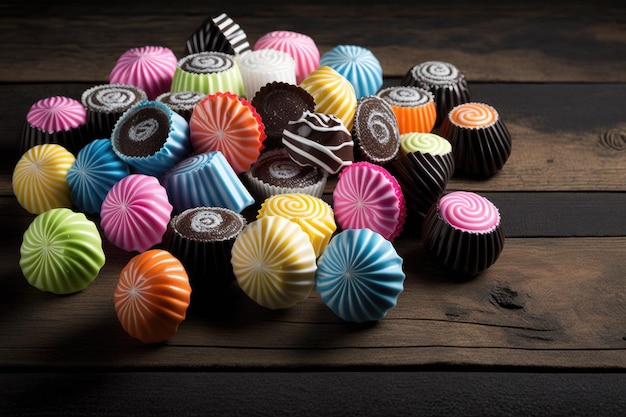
[[152, 296], [227, 123]]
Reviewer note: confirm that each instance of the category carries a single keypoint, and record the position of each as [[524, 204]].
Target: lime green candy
[[61, 251], [424, 143]]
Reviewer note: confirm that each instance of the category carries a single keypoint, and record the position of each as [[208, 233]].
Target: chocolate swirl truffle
[[320, 140], [202, 238], [182, 102], [444, 80], [481, 142], [218, 33], [414, 108], [375, 131], [463, 232], [106, 103]]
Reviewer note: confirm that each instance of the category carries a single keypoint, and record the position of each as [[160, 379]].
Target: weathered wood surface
[[556, 298]]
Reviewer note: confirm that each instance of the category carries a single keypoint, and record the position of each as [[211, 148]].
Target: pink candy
[[55, 114], [368, 196], [150, 68], [135, 213]]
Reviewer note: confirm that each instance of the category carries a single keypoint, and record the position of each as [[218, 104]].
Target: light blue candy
[[358, 65]]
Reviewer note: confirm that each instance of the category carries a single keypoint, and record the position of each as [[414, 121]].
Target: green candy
[[61, 251], [424, 143]]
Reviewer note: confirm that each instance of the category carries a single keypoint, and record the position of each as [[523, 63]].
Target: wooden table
[[542, 331]]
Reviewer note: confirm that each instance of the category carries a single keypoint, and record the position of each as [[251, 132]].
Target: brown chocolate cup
[[462, 254]]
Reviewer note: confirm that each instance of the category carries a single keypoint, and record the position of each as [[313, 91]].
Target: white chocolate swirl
[[206, 62], [436, 73], [469, 212], [406, 96], [112, 98]]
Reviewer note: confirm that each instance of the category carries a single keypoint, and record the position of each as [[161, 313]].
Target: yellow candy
[[333, 94], [274, 262], [312, 214], [39, 182]]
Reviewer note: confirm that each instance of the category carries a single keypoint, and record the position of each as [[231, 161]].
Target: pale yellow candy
[[39, 178], [312, 214], [274, 262], [333, 94]]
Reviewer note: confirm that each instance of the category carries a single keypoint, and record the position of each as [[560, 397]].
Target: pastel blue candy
[[359, 275], [358, 65], [95, 171]]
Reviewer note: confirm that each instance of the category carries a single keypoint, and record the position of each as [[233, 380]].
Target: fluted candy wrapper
[[368, 196], [359, 276], [208, 73], [151, 138], [105, 104], [358, 65], [39, 178], [202, 239], [61, 251], [274, 262], [95, 171], [152, 296], [206, 179], [58, 120], [481, 142], [312, 214], [423, 169], [276, 173], [463, 232], [218, 33], [150, 68], [444, 80], [135, 213], [414, 108]]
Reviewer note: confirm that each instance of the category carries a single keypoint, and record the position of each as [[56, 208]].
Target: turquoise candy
[[95, 170], [358, 65], [359, 275]]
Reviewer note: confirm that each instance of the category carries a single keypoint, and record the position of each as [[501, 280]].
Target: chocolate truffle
[[208, 73], [481, 142], [319, 140], [182, 102], [375, 131], [444, 81], [414, 108], [463, 232]]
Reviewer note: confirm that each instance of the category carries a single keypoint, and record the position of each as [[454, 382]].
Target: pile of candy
[[171, 154]]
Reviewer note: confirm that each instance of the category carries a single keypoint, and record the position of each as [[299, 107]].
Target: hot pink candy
[[56, 114]]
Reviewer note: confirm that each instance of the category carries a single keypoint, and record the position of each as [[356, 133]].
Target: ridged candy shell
[[96, 170], [358, 65], [152, 296], [300, 46], [333, 94], [229, 124], [359, 275], [274, 262], [135, 213], [61, 252], [39, 178]]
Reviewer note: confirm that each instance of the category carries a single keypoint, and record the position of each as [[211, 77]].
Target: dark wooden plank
[[487, 394], [553, 135], [489, 41], [545, 303]]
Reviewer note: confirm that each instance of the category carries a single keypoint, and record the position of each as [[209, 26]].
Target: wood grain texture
[[489, 41]]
